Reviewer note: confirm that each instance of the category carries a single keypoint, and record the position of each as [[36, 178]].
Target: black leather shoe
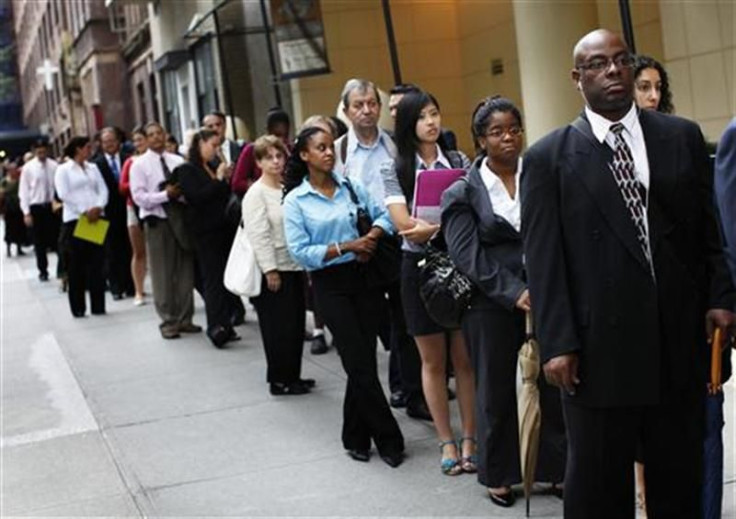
[[117, 296], [43, 276], [279, 389], [238, 320], [393, 459], [506, 500], [319, 345], [308, 382], [359, 454], [219, 336], [399, 399], [418, 411]]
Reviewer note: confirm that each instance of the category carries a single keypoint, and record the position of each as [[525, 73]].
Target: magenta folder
[[430, 185]]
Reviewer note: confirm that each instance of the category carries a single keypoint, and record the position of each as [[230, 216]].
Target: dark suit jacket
[[483, 246], [115, 210], [206, 199], [591, 288]]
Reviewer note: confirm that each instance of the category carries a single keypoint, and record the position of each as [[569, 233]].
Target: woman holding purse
[[322, 235], [207, 192], [280, 305], [481, 221]]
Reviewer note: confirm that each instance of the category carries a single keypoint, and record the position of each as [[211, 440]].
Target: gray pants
[[172, 275]]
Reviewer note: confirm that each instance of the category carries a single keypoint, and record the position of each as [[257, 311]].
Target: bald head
[[603, 73], [594, 39]]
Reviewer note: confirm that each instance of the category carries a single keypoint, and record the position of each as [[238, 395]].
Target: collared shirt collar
[[305, 188], [441, 160], [354, 143], [601, 126]]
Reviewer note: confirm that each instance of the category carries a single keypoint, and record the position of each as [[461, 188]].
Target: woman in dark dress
[[207, 192], [15, 229], [481, 219]]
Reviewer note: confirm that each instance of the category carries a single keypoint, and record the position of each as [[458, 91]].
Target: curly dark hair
[[296, 169], [482, 114], [194, 156], [645, 62]]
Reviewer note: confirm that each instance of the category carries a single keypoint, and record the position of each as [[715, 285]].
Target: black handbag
[[445, 291], [384, 267]]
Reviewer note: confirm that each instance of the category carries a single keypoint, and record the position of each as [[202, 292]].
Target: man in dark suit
[[110, 162], [627, 280]]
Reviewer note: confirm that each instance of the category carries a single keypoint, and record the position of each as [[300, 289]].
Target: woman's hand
[[363, 247], [421, 232], [524, 302], [223, 171], [273, 280], [93, 214]]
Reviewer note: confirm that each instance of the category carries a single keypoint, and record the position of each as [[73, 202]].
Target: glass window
[[171, 105], [206, 82]]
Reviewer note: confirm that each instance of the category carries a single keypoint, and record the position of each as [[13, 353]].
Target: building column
[[546, 33]]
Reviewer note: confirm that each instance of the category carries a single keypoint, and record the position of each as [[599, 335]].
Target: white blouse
[[503, 205], [80, 188]]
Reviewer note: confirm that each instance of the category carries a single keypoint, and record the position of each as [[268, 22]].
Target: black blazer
[[483, 246], [206, 199], [115, 210], [591, 288]]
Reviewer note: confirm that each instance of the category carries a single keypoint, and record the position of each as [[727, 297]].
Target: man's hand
[[273, 280], [723, 319], [562, 372], [173, 191], [28, 220], [93, 214], [524, 302]]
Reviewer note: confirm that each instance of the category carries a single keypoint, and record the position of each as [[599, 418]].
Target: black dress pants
[[404, 361], [118, 253], [351, 311], [281, 317], [44, 233], [494, 337], [212, 249], [85, 270], [602, 444]]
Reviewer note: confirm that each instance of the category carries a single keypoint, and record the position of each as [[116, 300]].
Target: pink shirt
[[146, 175]]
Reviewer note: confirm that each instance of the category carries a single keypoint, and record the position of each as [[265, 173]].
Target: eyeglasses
[[598, 64], [497, 133]]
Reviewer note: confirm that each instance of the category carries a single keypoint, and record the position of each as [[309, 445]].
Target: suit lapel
[[480, 200], [590, 161]]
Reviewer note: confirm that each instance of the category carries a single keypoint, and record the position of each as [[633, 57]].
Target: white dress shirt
[[80, 188], [634, 137], [146, 175], [503, 205], [36, 183]]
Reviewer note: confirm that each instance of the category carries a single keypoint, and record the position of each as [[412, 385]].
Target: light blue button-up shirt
[[313, 222], [365, 162]]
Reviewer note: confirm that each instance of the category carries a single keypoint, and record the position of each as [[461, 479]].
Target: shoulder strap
[[344, 150], [455, 159], [353, 195]]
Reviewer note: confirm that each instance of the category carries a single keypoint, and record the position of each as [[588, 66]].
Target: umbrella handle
[[714, 386]]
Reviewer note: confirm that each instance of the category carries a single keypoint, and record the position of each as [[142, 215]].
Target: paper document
[[93, 232], [430, 185]]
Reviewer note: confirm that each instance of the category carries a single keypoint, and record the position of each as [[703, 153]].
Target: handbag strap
[[353, 195]]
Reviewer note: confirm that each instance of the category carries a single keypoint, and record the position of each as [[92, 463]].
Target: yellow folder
[[93, 232]]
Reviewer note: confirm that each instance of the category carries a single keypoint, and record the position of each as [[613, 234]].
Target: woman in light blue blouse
[[321, 234]]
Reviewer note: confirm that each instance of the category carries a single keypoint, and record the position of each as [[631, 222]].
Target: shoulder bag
[[242, 276]]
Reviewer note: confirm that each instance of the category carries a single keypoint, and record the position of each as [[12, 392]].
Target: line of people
[[605, 232]]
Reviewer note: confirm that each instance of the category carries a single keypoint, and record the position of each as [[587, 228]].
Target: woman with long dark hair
[[81, 188], [481, 219], [652, 85], [321, 233], [207, 193], [420, 147]]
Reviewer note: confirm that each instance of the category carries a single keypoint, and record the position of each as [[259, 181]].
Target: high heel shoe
[[505, 500], [449, 466], [468, 463]]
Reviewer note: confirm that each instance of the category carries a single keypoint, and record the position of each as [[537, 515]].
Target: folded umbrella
[[530, 415], [713, 446]]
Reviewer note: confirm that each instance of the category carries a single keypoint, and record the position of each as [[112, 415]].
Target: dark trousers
[[493, 337], [351, 311], [85, 270], [405, 365], [212, 250], [118, 253], [44, 233], [599, 481], [281, 317]]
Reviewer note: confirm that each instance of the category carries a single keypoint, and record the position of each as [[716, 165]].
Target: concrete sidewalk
[[102, 417]]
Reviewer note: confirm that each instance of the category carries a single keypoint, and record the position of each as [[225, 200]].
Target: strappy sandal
[[449, 466], [469, 464]]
